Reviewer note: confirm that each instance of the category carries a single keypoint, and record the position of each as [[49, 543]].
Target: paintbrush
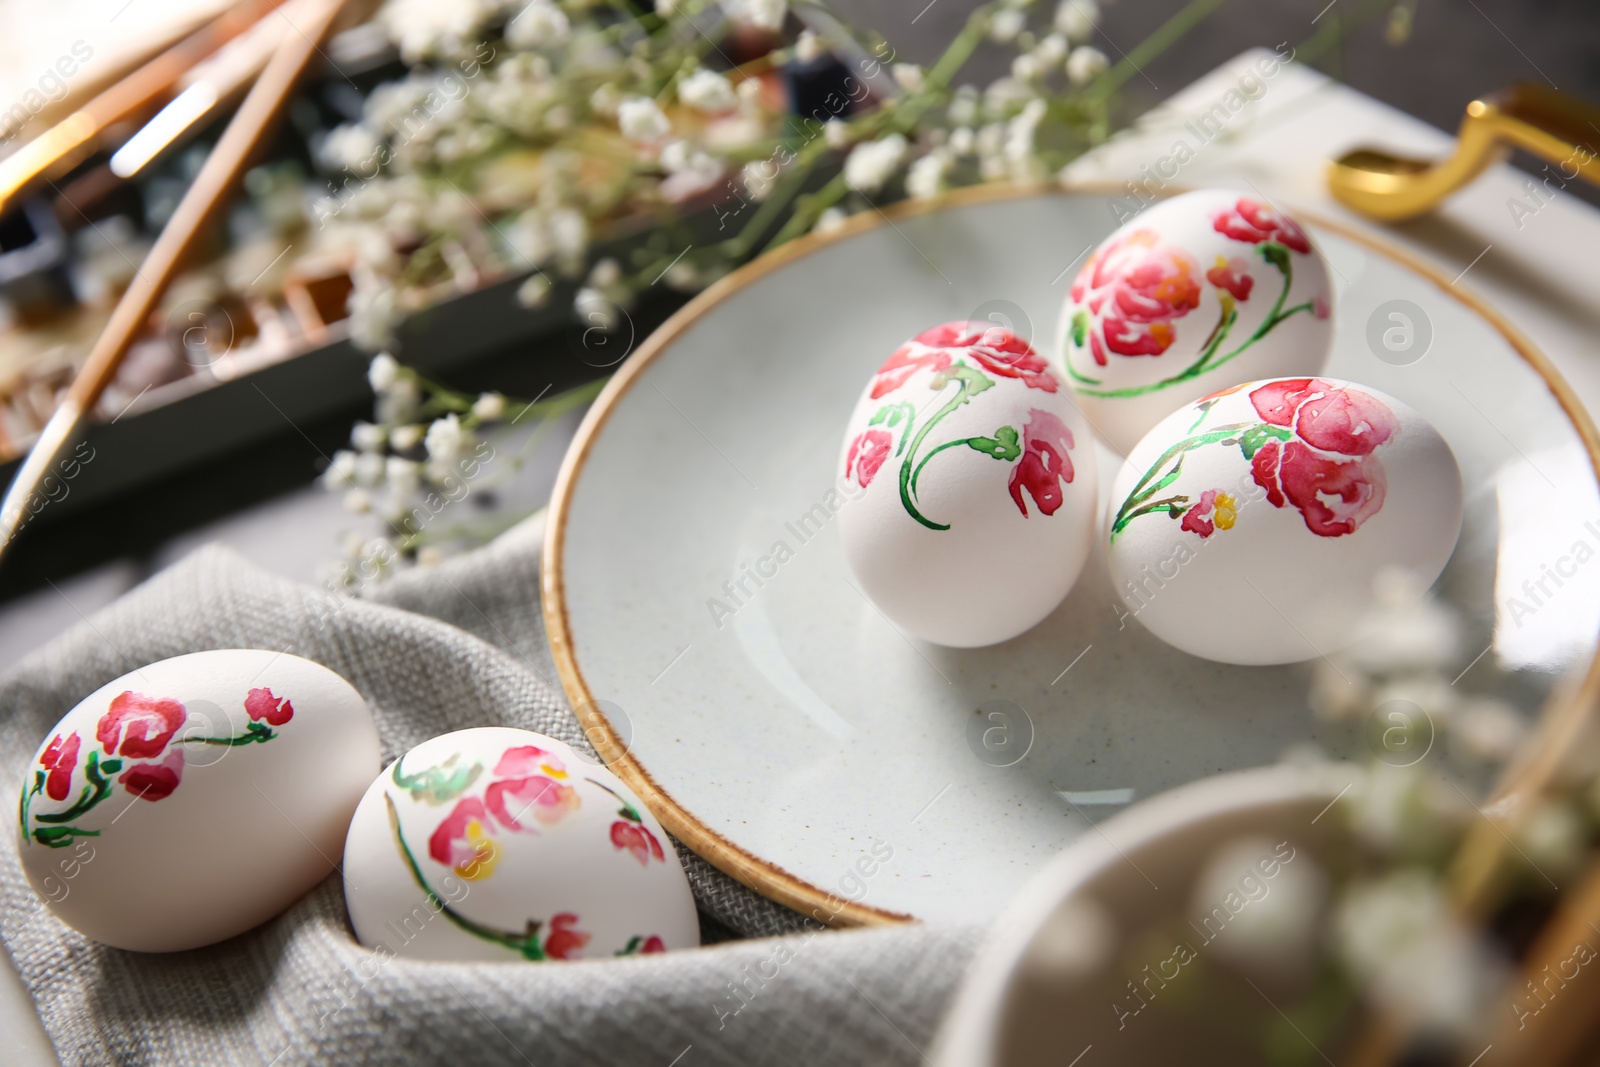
[[218, 176]]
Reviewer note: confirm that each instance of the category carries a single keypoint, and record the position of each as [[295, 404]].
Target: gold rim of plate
[[765, 877]]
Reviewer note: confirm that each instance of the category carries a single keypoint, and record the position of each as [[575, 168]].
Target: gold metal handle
[[1559, 129]]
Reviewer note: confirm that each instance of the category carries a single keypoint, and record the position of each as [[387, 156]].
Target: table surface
[[1531, 267]]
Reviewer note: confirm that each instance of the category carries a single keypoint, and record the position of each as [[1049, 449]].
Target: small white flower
[[605, 101], [378, 554], [1073, 944], [591, 306], [433, 555], [1018, 148], [369, 470], [569, 231], [1085, 64], [1277, 926], [383, 372], [808, 47], [1006, 24], [1487, 730], [444, 441], [400, 403], [640, 119], [353, 147], [358, 501], [1027, 68], [405, 438], [539, 25], [831, 219], [706, 90], [605, 273], [489, 407], [758, 178], [1002, 95], [749, 94], [1051, 50], [1552, 835], [925, 179], [762, 14], [964, 106], [341, 472], [836, 133], [1076, 19], [372, 315], [534, 292], [963, 142], [404, 477], [872, 164], [683, 276], [366, 437], [908, 76]]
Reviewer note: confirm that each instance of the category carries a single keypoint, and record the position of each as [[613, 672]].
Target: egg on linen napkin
[[497, 844], [1249, 527], [973, 486], [1202, 291], [195, 798]]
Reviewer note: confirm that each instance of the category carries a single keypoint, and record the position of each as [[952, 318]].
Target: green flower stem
[[526, 945], [1125, 514], [1170, 33], [963, 394], [98, 789]]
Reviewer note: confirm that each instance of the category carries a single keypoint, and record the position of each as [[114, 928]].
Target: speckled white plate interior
[[804, 743]]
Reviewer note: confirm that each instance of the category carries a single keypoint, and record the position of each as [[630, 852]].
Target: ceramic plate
[[805, 745]]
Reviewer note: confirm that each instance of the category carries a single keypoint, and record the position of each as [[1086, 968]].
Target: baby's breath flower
[[534, 292], [367, 438], [1085, 64], [341, 471], [808, 47], [836, 133], [908, 76], [489, 407], [539, 25], [831, 219], [640, 119], [872, 164], [405, 438], [1006, 24], [382, 372], [758, 178], [706, 90], [358, 501], [1075, 19], [925, 179], [762, 14]]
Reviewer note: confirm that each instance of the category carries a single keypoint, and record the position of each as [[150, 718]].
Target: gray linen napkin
[[300, 990]]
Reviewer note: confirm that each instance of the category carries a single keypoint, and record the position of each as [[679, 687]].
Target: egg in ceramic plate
[[972, 485], [1196, 293], [195, 798], [1249, 527], [497, 844]]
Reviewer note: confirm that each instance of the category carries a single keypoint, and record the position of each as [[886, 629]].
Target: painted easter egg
[[497, 844], [195, 798], [1249, 527], [972, 482], [1196, 293]]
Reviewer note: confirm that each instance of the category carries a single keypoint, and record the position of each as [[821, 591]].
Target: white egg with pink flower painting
[[1193, 294], [192, 799], [1250, 526], [497, 844], [971, 485]]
